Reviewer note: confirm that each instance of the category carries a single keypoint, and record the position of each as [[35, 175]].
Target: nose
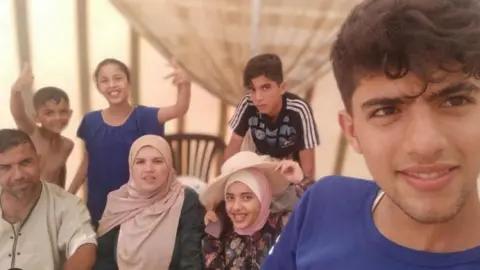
[[57, 116], [17, 173], [425, 140], [236, 206], [111, 83], [257, 95], [149, 167]]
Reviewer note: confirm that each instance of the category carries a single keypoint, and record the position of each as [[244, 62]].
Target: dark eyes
[[450, 102], [155, 161], [456, 101]]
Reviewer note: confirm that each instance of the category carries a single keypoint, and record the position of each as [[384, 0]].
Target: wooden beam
[[309, 95], [83, 62], [135, 66], [340, 155], [23, 43], [223, 121]]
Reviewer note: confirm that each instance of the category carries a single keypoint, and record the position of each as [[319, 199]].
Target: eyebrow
[[241, 194], [447, 91], [458, 88]]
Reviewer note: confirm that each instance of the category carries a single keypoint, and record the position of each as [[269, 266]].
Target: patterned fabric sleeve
[[304, 185], [213, 253]]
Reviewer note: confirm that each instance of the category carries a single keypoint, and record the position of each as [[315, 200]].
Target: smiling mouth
[[114, 93], [237, 218], [425, 179], [149, 178]]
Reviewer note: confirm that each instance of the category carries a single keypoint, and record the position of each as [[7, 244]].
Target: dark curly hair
[[397, 37]]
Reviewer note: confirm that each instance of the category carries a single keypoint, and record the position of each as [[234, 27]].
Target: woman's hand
[[291, 170], [210, 217]]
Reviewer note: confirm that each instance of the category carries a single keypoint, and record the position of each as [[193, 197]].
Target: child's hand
[[179, 75], [291, 170], [210, 217], [25, 80]]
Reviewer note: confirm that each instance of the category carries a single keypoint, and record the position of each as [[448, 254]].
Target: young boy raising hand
[[52, 114]]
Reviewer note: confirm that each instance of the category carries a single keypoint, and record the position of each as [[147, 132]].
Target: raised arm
[[17, 105], [239, 125], [180, 108]]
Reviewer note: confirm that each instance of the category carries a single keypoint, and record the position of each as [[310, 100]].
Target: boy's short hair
[[268, 65], [397, 37], [10, 138], [41, 96]]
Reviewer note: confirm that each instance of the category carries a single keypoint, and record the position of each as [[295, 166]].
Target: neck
[[458, 234], [121, 108], [15, 207], [52, 136]]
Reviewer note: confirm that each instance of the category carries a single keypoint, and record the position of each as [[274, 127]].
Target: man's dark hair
[[268, 65], [396, 37], [50, 93], [10, 138]]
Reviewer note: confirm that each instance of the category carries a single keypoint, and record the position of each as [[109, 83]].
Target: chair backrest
[[196, 154]]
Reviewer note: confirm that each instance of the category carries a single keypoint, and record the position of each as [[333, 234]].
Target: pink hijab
[[259, 184], [148, 220]]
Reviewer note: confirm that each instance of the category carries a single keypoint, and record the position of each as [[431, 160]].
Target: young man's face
[[423, 152], [266, 95], [54, 116]]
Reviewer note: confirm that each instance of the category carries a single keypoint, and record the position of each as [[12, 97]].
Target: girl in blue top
[[109, 133]]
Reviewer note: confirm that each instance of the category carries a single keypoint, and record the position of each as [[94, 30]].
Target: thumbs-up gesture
[[179, 76], [25, 80]]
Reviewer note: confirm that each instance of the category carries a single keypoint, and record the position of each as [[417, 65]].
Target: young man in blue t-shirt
[[409, 74]]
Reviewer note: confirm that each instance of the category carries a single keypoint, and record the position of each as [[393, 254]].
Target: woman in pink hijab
[[243, 229], [152, 222]]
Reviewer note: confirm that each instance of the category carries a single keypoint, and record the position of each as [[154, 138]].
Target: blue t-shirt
[[108, 148], [333, 228]]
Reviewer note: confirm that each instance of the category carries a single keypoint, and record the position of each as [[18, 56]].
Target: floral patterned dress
[[238, 252]]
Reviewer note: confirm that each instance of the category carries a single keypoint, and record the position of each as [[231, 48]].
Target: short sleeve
[[147, 119], [283, 253], [239, 121], [75, 228], [309, 135]]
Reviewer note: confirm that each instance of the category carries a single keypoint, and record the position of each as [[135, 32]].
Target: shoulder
[[68, 144], [190, 200], [92, 114], [142, 110], [91, 118], [192, 210], [331, 189], [247, 103], [296, 104], [63, 198]]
